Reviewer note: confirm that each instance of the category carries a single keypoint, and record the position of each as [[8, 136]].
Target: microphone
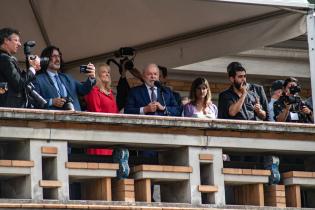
[[163, 89], [159, 85]]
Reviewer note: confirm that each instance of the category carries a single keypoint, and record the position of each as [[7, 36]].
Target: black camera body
[[83, 69], [28, 46], [68, 105], [35, 97], [292, 99], [30, 89], [4, 85], [295, 89], [125, 53]]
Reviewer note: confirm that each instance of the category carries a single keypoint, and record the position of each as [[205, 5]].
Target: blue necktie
[[153, 95], [61, 91]]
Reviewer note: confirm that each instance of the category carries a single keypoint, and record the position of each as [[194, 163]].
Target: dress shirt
[[53, 78], [149, 92]]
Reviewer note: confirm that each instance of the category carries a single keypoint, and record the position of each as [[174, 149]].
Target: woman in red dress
[[101, 98]]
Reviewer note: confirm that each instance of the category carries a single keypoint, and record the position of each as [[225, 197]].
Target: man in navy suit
[[149, 99], [55, 86]]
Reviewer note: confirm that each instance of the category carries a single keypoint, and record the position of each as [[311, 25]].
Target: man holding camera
[[289, 107], [240, 102], [58, 89], [15, 80]]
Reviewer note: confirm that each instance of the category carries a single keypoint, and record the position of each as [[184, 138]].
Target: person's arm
[[13, 75], [132, 106], [237, 106], [84, 88], [283, 115], [188, 111], [51, 102], [308, 112], [259, 111], [172, 107]]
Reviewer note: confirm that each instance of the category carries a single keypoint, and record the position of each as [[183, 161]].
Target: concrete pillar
[[189, 156], [57, 170], [179, 192], [311, 49], [215, 175]]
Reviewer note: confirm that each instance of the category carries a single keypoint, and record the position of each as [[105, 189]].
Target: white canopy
[[169, 32]]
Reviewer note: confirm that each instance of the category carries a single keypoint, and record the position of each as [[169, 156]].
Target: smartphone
[[4, 85], [83, 69]]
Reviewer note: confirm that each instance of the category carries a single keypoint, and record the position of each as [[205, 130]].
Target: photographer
[[59, 89], [10, 74], [289, 107]]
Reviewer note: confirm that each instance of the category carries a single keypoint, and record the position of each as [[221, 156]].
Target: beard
[[238, 85], [54, 66]]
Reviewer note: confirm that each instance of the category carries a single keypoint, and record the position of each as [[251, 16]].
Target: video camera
[[294, 99], [32, 94], [126, 56]]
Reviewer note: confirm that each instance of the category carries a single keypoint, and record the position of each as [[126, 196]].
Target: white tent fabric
[[281, 3], [172, 32]]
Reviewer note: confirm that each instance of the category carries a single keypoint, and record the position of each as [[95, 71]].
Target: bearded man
[[239, 101]]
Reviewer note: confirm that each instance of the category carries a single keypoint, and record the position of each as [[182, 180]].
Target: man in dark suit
[[149, 99], [10, 73], [57, 87]]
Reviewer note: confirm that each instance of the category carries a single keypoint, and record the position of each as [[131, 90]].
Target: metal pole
[[311, 50]]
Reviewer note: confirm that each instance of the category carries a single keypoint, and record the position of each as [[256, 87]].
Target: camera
[[4, 85], [28, 46], [124, 53], [83, 69], [68, 105], [292, 99], [35, 97], [295, 89]]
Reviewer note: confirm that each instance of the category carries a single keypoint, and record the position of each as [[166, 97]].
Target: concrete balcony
[[48, 139]]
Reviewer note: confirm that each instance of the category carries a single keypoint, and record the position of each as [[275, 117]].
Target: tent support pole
[[311, 50]]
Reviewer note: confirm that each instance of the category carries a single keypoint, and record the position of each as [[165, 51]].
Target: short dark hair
[[234, 67], [288, 80], [163, 70], [6, 33], [47, 52]]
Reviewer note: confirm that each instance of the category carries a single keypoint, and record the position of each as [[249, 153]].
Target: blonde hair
[[105, 88]]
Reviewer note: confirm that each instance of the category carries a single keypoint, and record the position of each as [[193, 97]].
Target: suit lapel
[[67, 84], [159, 98], [145, 94], [49, 81]]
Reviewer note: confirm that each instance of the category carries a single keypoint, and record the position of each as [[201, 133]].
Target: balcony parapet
[[8, 116]]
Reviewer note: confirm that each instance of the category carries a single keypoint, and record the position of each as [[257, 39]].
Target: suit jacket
[[16, 79], [139, 97], [122, 93], [45, 87]]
